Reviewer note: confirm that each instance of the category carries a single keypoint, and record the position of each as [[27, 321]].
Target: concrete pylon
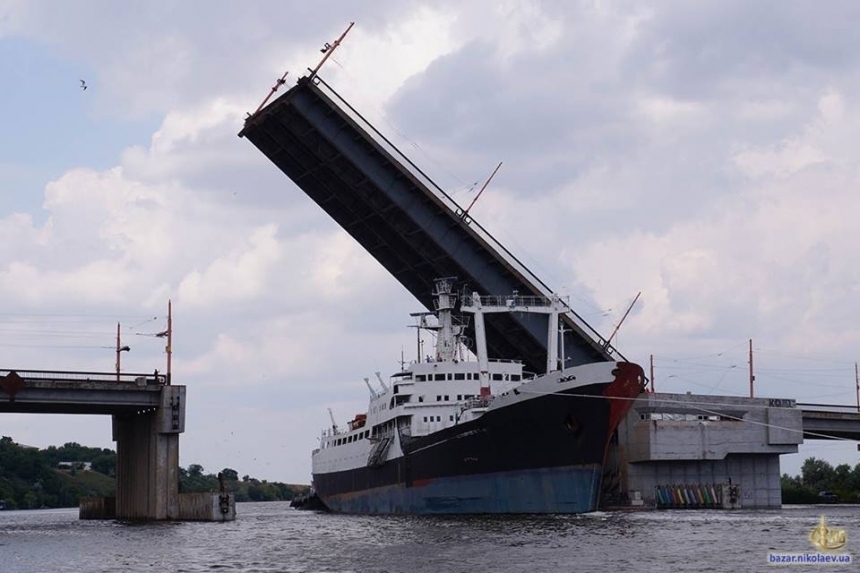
[[147, 446]]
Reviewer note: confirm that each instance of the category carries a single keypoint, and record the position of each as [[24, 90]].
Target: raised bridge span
[[406, 222]]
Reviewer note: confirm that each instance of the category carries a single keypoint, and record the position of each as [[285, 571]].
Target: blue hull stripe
[[570, 489]]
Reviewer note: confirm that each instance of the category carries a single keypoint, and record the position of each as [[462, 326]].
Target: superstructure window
[[498, 377], [440, 376], [459, 376], [438, 398], [515, 377], [446, 398], [420, 378]]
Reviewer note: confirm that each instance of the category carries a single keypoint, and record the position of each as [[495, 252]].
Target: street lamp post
[[119, 349]]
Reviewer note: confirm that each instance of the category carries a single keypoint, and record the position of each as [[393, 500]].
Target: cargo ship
[[456, 432]]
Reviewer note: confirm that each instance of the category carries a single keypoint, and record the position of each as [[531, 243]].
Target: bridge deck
[[823, 421], [44, 392], [416, 233]]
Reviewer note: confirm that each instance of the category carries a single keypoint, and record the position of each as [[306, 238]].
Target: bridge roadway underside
[[404, 225], [147, 418], [822, 424], [46, 396]]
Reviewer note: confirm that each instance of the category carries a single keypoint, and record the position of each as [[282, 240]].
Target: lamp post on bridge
[[168, 334], [119, 350]]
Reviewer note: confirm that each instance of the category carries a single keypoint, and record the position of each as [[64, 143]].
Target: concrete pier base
[[679, 441], [97, 508], [192, 507], [207, 507], [147, 446]]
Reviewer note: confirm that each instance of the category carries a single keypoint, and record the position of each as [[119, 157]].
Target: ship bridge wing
[[415, 230]]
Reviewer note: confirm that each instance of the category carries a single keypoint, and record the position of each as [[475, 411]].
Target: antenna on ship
[[333, 423], [421, 317]]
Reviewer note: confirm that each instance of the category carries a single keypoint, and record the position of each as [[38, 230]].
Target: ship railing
[[473, 403], [512, 301], [505, 361]]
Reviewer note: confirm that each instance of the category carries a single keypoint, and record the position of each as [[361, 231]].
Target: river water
[[268, 537]]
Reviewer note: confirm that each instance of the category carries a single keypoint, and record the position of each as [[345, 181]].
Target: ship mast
[[446, 337], [481, 305]]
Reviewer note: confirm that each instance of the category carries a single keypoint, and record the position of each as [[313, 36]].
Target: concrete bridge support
[[147, 445]]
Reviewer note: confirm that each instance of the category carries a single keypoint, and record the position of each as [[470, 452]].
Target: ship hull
[[540, 453], [570, 489]]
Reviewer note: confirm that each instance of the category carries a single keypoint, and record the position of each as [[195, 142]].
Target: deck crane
[[334, 428]]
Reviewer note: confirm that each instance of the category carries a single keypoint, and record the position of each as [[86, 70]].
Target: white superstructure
[[445, 390]]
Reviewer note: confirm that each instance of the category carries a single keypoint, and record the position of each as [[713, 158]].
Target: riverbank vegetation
[[820, 482], [32, 478]]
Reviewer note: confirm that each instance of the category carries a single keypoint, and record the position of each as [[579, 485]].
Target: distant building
[[80, 466]]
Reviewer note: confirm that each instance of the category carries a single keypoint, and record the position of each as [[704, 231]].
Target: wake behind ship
[[452, 435]]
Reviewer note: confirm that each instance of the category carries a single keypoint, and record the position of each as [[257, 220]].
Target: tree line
[[818, 478], [31, 478], [193, 480]]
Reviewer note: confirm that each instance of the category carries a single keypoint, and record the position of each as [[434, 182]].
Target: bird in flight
[[83, 85]]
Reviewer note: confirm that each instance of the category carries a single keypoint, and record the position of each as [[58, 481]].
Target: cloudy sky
[[702, 153]]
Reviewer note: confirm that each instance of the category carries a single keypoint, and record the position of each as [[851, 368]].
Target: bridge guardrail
[[77, 376]]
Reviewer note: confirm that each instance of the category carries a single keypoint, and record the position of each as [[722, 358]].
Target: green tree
[[817, 474]]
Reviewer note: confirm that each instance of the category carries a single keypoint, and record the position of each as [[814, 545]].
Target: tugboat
[[451, 435]]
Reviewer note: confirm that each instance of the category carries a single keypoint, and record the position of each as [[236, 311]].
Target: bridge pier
[[147, 446]]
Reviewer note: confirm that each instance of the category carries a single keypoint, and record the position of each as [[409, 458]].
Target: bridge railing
[[77, 376], [838, 408]]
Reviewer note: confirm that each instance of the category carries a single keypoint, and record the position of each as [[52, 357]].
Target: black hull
[[563, 430]]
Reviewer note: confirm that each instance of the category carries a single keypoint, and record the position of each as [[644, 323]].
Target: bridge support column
[[147, 446]]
